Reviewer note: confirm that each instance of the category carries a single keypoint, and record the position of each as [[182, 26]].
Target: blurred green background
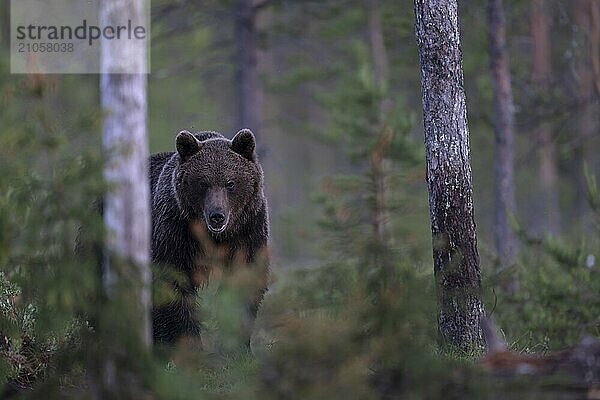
[[324, 328]]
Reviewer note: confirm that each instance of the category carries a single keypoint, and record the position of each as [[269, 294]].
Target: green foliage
[[362, 325], [553, 308], [223, 315], [345, 340], [357, 320], [559, 297], [50, 179]]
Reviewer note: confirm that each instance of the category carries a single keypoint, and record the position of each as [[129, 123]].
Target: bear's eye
[[230, 185]]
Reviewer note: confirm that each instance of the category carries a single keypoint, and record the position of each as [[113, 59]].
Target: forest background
[[309, 78]]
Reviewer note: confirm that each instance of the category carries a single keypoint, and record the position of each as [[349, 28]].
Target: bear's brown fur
[[207, 204]]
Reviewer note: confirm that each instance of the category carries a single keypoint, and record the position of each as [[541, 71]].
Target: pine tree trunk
[[504, 179], [586, 17], [455, 255], [249, 90], [380, 58], [378, 162], [548, 220], [126, 207]]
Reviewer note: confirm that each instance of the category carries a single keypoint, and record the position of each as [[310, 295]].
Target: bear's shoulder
[[160, 158], [157, 163]]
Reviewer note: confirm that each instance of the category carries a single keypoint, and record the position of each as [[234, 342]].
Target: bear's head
[[218, 180]]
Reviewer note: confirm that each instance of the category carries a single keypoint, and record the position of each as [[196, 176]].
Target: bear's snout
[[216, 219], [216, 209]]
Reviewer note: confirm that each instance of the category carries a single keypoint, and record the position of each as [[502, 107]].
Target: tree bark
[[455, 255], [380, 58], [378, 162], [548, 220], [586, 17], [250, 96], [126, 206], [504, 179]]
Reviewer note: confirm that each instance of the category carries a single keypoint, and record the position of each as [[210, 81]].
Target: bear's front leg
[[178, 318]]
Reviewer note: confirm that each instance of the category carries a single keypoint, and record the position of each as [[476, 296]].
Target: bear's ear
[[187, 145], [244, 144]]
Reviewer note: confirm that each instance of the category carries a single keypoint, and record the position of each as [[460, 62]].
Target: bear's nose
[[217, 219]]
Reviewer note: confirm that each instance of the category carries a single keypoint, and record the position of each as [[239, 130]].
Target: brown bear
[[208, 208]]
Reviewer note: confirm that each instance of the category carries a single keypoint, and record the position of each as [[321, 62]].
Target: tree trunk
[[249, 94], [548, 219], [126, 269], [378, 162], [504, 179], [380, 58], [586, 17], [455, 255]]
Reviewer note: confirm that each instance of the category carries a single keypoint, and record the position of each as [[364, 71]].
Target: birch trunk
[[126, 269]]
